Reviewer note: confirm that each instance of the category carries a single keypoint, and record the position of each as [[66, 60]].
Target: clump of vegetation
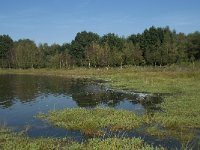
[[16, 141], [183, 135], [115, 144], [93, 121]]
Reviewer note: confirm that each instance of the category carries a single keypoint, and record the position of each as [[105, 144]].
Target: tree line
[[156, 46]]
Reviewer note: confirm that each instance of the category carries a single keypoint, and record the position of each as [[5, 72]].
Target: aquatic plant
[[16, 141], [93, 121], [115, 144]]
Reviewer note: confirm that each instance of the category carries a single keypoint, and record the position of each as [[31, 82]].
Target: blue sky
[[58, 21]]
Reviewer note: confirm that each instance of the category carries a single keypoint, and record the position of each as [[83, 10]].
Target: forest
[[155, 46]]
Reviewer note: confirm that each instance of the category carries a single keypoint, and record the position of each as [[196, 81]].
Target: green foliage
[[26, 54], [6, 44], [194, 46], [55, 56], [132, 54], [115, 144], [159, 46], [114, 42], [16, 141], [79, 45], [156, 46], [97, 55]]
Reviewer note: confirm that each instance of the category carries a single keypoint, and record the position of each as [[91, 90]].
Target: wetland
[[100, 106]]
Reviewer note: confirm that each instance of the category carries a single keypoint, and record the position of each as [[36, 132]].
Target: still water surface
[[23, 96]]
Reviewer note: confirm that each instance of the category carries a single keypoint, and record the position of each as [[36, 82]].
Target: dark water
[[23, 96]]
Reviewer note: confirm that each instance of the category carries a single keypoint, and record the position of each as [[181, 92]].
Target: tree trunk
[[2, 61], [89, 64], [193, 64], [66, 64]]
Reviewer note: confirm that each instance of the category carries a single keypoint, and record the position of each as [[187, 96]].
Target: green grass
[[16, 141], [183, 135], [115, 144], [180, 110], [93, 121]]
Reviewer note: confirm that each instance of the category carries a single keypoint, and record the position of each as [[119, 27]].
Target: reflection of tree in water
[[26, 88], [113, 99], [149, 103], [94, 99], [16, 87], [6, 92]]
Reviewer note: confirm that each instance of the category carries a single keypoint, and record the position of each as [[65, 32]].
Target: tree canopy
[[155, 46]]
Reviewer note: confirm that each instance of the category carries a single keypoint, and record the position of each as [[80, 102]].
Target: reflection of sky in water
[[137, 108], [126, 104], [22, 113]]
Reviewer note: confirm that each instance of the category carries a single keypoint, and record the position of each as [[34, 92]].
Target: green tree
[[181, 44], [43, 48], [160, 46], [193, 46], [80, 44], [6, 45], [150, 43], [66, 58], [115, 42], [98, 55], [116, 45], [26, 54], [132, 54]]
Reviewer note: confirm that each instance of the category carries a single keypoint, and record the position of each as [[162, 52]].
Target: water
[[23, 96]]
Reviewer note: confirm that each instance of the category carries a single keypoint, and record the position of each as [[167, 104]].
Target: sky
[[58, 21]]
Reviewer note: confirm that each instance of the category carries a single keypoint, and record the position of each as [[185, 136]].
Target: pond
[[24, 96]]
